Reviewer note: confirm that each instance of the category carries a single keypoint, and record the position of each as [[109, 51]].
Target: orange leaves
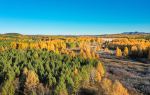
[[134, 48], [100, 69], [51, 46], [87, 51], [141, 43], [31, 79], [106, 85], [88, 45], [118, 52], [42, 45], [137, 48], [75, 71], [13, 45], [131, 42], [2, 49], [118, 89], [99, 40], [59, 44], [99, 72], [33, 45], [82, 53], [110, 88], [126, 51], [72, 53], [19, 45], [98, 77]]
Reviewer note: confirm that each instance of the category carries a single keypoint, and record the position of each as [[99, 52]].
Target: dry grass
[[134, 75]]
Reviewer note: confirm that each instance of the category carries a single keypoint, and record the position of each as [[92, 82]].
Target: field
[[74, 65], [133, 74]]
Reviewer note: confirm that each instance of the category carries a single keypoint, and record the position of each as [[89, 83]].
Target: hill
[[133, 33], [13, 34]]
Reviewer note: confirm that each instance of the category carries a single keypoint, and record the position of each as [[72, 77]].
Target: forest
[[65, 65]]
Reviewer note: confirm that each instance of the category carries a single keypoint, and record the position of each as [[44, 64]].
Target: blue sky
[[74, 17]]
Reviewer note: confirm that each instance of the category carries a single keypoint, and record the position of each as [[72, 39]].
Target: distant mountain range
[[135, 33], [127, 33]]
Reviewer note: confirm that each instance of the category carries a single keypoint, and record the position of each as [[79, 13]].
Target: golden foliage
[[100, 69], [126, 51], [82, 53], [131, 42], [118, 52], [13, 45], [134, 48], [118, 89], [51, 47], [88, 45], [2, 49], [75, 71], [87, 51], [98, 76], [106, 85], [31, 79], [110, 88], [99, 72]]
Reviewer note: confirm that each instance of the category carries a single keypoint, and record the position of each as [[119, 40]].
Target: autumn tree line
[[59, 45], [53, 66], [43, 72], [134, 48]]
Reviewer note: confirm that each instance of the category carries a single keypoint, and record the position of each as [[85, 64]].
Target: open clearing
[[134, 75]]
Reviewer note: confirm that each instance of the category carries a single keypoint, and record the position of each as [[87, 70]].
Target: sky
[[74, 17]]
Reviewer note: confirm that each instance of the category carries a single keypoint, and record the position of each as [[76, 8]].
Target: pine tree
[[119, 89], [99, 72], [134, 50], [113, 88], [118, 52], [75, 71], [2, 49], [126, 51], [31, 80]]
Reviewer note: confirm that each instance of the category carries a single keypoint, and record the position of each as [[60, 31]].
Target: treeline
[[43, 72], [43, 42], [50, 65], [134, 48], [68, 45]]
